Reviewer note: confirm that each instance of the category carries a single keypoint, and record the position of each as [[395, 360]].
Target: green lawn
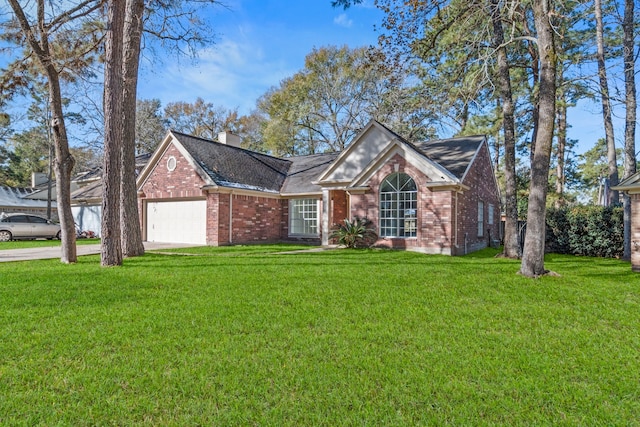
[[355, 338], [40, 243]]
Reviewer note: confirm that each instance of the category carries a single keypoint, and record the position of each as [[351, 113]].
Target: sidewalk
[[55, 251]]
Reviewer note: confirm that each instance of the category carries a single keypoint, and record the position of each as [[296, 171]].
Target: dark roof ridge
[[226, 145], [314, 154], [428, 141]]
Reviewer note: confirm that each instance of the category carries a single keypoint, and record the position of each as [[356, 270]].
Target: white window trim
[[171, 163], [317, 219], [409, 217]]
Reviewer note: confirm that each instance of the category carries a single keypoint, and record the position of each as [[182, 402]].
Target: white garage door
[[177, 222]]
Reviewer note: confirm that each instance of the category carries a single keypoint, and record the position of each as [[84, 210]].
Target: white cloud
[[228, 74], [343, 20]]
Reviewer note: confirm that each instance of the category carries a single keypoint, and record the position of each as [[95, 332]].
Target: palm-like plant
[[355, 233]]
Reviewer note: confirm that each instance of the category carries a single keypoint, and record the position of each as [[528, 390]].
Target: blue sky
[[259, 43]]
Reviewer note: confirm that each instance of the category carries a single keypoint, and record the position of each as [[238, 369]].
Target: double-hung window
[[303, 217], [398, 206]]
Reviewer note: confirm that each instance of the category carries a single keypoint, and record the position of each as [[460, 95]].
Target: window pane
[[37, 219], [398, 206], [303, 217]]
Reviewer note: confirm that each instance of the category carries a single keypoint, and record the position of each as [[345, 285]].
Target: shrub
[[355, 233], [585, 230]]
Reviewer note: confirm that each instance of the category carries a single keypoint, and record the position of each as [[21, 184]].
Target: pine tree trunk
[[533, 254], [511, 243], [612, 196], [113, 133], [562, 145], [64, 162], [631, 114], [130, 222], [63, 166], [535, 78]]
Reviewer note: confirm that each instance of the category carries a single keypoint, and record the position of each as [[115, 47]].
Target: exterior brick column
[[635, 232]]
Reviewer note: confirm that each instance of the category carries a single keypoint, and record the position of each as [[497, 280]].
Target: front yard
[[246, 336], [40, 243]]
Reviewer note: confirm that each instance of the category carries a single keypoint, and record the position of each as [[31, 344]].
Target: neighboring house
[[631, 186], [86, 206], [19, 200], [435, 197], [86, 201]]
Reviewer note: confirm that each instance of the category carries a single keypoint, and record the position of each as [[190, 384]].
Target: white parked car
[[16, 226]]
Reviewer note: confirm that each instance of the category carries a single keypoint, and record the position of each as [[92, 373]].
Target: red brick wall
[[635, 232], [182, 182], [217, 216], [437, 209], [256, 219], [480, 179], [339, 207], [436, 220], [434, 210]]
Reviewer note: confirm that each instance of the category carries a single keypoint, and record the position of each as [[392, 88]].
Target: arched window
[[398, 206]]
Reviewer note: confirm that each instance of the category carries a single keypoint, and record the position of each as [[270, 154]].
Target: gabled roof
[[454, 154], [89, 175], [220, 165], [88, 193], [445, 161], [235, 167]]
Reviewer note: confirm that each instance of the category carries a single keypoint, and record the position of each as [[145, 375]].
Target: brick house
[[435, 197], [631, 186]]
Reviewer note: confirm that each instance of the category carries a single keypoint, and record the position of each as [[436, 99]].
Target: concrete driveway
[[55, 251]]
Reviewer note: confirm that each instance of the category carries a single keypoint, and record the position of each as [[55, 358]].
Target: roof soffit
[[630, 185]]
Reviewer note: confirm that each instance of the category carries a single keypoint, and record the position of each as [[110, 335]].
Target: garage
[[177, 222]]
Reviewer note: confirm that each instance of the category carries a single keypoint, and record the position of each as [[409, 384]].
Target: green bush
[[585, 230], [355, 233]]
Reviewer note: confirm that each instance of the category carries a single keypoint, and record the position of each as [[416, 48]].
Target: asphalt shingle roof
[[454, 154], [235, 167], [230, 166], [88, 192], [304, 170]]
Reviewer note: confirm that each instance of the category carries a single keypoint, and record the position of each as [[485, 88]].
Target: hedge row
[[585, 230]]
